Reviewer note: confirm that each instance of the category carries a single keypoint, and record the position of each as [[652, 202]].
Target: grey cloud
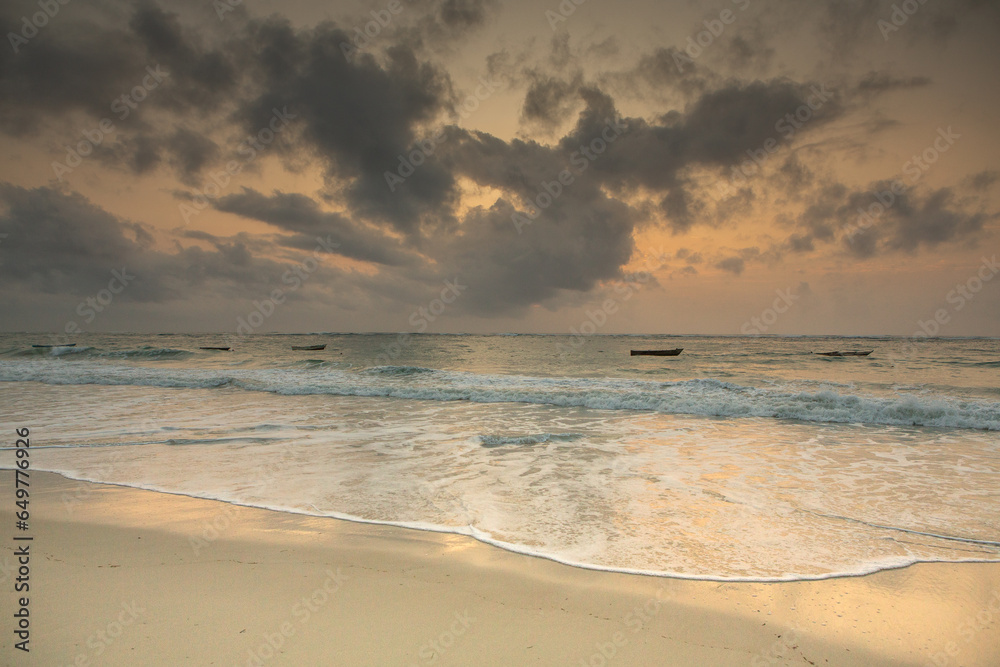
[[298, 213], [664, 72], [734, 265], [912, 220], [192, 151], [201, 77], [880, 82], [507, 271], [750, 51], [465, 14], [935, 219], [983, 180], [606, 48], [61, 243], [358, 135], [549, 100]]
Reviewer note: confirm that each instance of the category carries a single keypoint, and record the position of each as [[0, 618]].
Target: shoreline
[[219, 583], [517, 549]]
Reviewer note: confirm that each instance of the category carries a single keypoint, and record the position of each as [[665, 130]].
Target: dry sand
[[124, 576]]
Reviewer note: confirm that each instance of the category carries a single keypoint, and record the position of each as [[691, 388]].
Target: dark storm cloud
[[465, 14], [983, 180], [300, 214], [734, 265], [715, 130], [61, 243], [797, 243], [585, 244], [606, 48], [880, 82], [549, 99], [192, 151], [446, 22], [74, 66], [58, 242], [358, 116], [937, 218], [584, 236], [750, 51], [876, 221], [795, 175], [364, 113], [84, 61], [658, 73], [205, 75], [846, 23]]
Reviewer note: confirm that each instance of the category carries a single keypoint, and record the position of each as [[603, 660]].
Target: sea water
[[744, 458]]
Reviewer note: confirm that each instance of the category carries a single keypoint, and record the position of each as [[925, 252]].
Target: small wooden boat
[[63, 345], [657, 353], [223, 349], [848, 353], [311, 348]]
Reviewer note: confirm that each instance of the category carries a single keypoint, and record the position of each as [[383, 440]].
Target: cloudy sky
[[677, 166]]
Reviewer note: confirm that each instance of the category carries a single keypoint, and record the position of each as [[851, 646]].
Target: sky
[[729, 167]]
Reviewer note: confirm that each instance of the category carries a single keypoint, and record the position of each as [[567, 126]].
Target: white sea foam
[[749, 460], [707, 397]]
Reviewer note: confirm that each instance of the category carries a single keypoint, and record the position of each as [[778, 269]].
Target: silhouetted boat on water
[[311, 348], [222, 349], [657, 353], [848, 353], [64, 345]]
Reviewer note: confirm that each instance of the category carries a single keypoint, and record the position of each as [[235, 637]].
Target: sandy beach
[[127, 576]]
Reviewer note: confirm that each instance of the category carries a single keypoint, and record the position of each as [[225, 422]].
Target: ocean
[[742, 459]]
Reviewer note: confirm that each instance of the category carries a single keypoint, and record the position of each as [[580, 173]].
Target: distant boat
[[657, 353], [309, 347], [848, 353], [223, 349], [65, 345]]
